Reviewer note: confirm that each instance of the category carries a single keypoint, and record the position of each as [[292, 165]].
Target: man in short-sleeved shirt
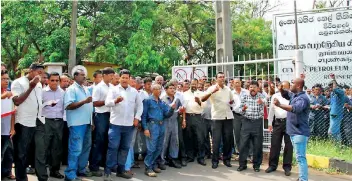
[[79, 108], [27, 96], [221, 100]]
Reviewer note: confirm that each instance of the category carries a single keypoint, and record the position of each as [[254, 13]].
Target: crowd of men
[[59, 117]]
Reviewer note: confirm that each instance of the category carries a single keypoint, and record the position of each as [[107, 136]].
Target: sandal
[[11, 177]]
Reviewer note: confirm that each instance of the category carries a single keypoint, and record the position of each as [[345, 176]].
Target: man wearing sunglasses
[[53, 111]]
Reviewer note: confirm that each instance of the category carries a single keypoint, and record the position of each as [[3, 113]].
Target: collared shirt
[[317, 100], [155, 110], [144, 94], [29, 110], [49, 95], [337, 100], [237, 99], [190, 104], [167, 99], [206, 114], [179, 95], [220, 103], [100, 92], [124, 112], [254, 109], [276, 111], [81, 115], [297, 119]]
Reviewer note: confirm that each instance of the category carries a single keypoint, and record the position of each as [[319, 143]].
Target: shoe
[[174, 163], [190, 160], [270, 169], [201, 162], [150, 173], [214, 165], [287, 172], [8, 177], [30, 170], [256, 169], [227, 163], [107, 177], [97, 173], [183, 163], [241, 168], [130, 172], [136, 165], [75, 179], [157, 170], [86, 174], [57, 175], [125, 175], [162, 166]]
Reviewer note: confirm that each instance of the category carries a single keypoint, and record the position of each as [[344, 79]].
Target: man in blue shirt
[[316, 121], [337, 101], [154, 112], [297, 124], [78, 103]]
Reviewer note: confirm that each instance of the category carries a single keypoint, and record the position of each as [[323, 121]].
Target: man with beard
[[252, 109]]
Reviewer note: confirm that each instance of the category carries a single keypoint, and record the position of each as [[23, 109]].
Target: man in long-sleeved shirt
[[278, 128], [297, 123], [252, 108], [337, 101], [238, 92], [154, 112], [53, 111], [125, 114]]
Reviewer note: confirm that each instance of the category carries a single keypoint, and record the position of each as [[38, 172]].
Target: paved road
[[195, 172]]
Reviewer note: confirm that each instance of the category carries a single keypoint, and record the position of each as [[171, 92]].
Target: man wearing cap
[[27, 96]]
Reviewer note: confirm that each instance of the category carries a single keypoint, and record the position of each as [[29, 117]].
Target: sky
[[288, 7]]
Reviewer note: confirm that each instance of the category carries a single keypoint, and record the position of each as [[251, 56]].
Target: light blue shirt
[[83, 114]]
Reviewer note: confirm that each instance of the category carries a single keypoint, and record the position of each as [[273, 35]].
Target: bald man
[[160, 80], [278, 128], [297, 123]]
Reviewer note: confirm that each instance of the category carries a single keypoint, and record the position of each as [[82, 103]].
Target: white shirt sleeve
[[111, 97], [16, 88], [96, 94], [139, 106], [271, 111]]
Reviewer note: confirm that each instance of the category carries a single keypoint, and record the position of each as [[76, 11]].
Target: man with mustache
[[252, 108]]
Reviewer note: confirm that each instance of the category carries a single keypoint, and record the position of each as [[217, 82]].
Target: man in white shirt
[[101, 122], [27, 96], [221, 100], [278, 127], [123, 100], [206, 115], [137, 83], [195, 127], [64, 84], [238, 92]]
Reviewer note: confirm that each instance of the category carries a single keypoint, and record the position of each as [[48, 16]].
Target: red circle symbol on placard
[[180, 74], [198, 73]]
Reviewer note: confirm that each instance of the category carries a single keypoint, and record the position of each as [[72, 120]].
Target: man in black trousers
[[278, 128], [252, 108]]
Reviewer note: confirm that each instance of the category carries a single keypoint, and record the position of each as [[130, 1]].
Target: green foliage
[[144, 36]]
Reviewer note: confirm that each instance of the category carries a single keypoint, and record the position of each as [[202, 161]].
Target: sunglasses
[[54, 80]]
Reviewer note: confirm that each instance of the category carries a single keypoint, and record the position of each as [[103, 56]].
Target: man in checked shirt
[[252, 108]]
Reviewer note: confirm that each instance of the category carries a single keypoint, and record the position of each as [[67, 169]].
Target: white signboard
[[325, 39], [182, 74]]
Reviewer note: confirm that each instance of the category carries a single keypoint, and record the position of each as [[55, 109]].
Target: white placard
[[325, 39], [182, 74]]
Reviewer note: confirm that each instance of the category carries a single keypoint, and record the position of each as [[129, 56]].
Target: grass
[[329, 149]]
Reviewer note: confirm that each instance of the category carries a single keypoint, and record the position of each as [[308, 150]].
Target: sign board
[[325, 39], [183, 73]]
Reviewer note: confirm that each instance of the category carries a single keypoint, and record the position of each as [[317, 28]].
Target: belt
[[55, 119], [280, 119], [192, 114], [253, 119]]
